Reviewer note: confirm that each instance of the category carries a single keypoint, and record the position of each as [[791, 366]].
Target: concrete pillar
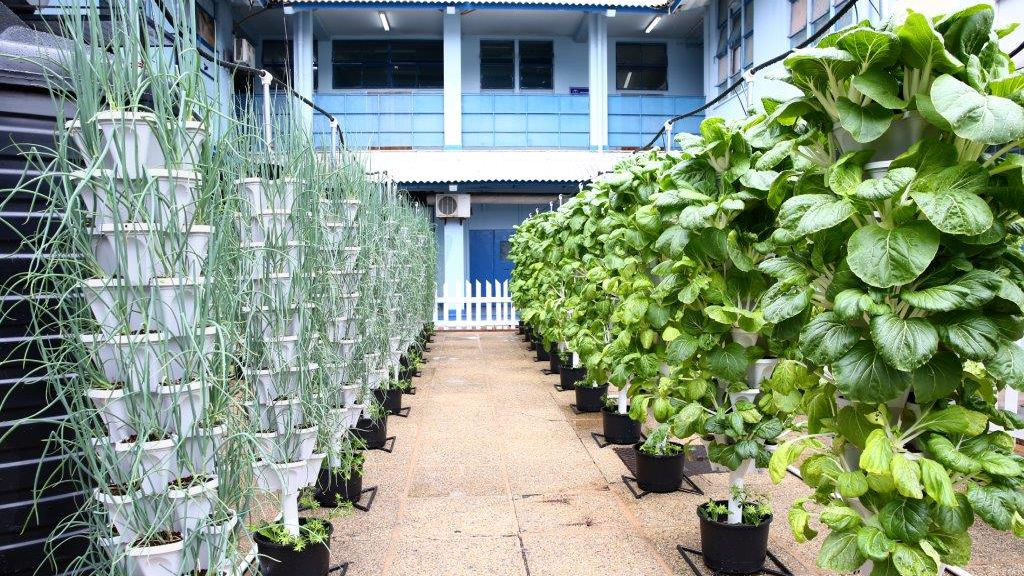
[[225, 47], [597, 62], [454, 255], [302, 69], [452, 79]]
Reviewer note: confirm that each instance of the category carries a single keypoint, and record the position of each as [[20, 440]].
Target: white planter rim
[[210, 484], [134, 550], [180, 387], [278, 212], [158, 173], [122, 339], [164, 444], [104, 393], [108, 498], [121, 114], [166, 281], [140, 227]]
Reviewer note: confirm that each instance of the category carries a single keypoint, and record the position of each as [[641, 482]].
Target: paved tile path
[[494, 475]]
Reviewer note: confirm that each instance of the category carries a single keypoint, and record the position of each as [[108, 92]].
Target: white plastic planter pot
[[349, 258], [375, 378], [270, 447], [273, 226], [347, 304], [143, 361], [263, 257], [162, 560], [394, 349], [345, 349], [282, 352], [201, 449], [192, 505], [288, 477], [301, 442], [215, 541], [743, 337], [140, 253], [115, 409], [267, 384], [177, 304], [115, 547], [338, 233], [116, 305], [173, 203], [350, 394], [273, 290], [190, 144], [128, 143], [350, 209], [154, 462], [267, 321], [131, 514], [99, 197], [181, 406], [760, 371], [279, 415], [902, 133], [259, 195], [343, 282], [341, 328]]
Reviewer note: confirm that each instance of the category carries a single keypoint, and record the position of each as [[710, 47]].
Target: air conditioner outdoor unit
[[244, 52], [452, 206]]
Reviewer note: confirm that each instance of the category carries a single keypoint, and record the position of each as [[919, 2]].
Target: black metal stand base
[[403, 413], [388, 445], [372, 491], [341, 569], [560, 389], [577, 411], [547, 372], [411, 391], [606, 443], [779, 570], [634, 487]]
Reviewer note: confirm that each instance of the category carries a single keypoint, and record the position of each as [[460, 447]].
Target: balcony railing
[[525, 121], [634, 120], [385, 120]]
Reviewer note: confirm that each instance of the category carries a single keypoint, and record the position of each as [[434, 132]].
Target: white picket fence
[[476, 305]]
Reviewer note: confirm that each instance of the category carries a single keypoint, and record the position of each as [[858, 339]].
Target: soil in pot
[[619, 428], [590, 399], [332, 488], [659, 474], [391, 399], [555, 362], [568, 377], [373, 434], [733, 548], [282, 559]]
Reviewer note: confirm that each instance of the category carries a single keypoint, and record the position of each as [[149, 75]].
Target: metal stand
[[547, 372], [403, 413], [341, 569], [606, 443], [577, 411], [411, 391], [779, 570], [638, 493], [560, 389], [385, 447], [372, 491]]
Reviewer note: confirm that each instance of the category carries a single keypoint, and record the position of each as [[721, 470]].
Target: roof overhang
[[572, 5]]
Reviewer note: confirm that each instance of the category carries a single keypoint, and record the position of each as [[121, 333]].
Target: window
[[388, 64], [498, 64], [276, 58], [805, 20], [535, 64], [641, 66], [797, 17], [735, 50]]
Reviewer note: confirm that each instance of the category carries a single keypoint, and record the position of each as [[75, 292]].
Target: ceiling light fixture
[[384, 21], [625, 84], [652, 24]]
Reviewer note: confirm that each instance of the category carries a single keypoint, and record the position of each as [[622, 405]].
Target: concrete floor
[[494, 475]]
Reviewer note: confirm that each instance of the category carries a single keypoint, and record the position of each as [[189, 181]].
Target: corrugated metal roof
[[455, 166], [586, 3]]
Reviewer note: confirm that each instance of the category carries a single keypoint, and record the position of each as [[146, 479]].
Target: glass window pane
[[347, 76], [723, 68], [654, 55], [723, 11], [275, 53], [497, 64], [375, 76], [536, 50], [737, 63], [627, 53], [748, 51], [431, 75], [820, 8], [734, 28], [536, 64], [654, 79], [497, 50], [797, 16], [721, 41], [641, 66], [748, 18]]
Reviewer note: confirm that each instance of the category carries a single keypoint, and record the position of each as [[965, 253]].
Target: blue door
[[488, 255]]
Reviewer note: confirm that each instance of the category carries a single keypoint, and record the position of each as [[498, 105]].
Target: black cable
[[1016, 50], [814, 37]]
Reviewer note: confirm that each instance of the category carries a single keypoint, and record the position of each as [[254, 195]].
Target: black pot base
[[634, 487], [779, 570], [602, 441]]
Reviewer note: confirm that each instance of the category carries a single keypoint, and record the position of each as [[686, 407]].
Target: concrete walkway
[[494, 475]]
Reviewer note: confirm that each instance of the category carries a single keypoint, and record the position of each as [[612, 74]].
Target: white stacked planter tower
[[152, 381], [278, 338]]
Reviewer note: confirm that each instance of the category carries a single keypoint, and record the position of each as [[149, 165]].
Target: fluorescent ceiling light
[[629, 76], [650, 26], [384, 21]]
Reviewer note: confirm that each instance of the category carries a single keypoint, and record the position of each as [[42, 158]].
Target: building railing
[[525, 121], [385, 119], [476, 306], [632, 119]]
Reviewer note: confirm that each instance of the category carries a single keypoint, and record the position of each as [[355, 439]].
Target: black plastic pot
[[555, 361], [334, 488], [543, 354], [373, 434], [733, 548], [590, 399], [391, 399], [659, 474], [568, 377], [283, 560], [619, 428]]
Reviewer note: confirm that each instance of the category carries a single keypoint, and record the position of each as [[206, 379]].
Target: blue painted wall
[[634, 120], [525, 120], [413, 119]]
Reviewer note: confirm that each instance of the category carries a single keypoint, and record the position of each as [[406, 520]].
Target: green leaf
[[862, 375], [809, 213], [998, 464], [946, 454], [872, 48], [864, 123], [878, 453], [972, 290], [975, 116], [681, 349], [672, 241], [954, 419], [884, 258], [1008, 365], [839, 552], [904, 344], [954, 545], [782, 301], [988, 504], [894, 182], [874, 544], [799, 522], [905, 519], [907, 476], [840, 517], [970, 334], [912, 562], [827, 337], [938, 378], [880, 87], [923, 47], [852, 424], [852, 484], [937, 483], [729, 362], [950, 199]]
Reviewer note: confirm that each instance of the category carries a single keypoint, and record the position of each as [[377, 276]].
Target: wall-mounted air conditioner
[[452, 206], [244, 53]]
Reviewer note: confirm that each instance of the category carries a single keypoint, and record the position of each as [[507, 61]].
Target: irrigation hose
[[813, 38]]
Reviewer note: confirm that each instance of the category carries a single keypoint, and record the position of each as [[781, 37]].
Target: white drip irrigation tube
[[266, 79]]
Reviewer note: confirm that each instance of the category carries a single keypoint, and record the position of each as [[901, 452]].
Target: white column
[[454, 255], [598, 79], [452, 80], [225, 46], [302, 70]]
